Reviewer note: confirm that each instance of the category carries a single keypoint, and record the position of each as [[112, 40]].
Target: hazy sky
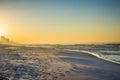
[[61, 21]]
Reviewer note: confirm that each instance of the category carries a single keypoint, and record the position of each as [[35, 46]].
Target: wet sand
[[89, 67], [37, 63]]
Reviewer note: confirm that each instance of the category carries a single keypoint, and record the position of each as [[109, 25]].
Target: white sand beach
[[38, 63]]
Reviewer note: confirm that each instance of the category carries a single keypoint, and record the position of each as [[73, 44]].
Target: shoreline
[[93, 54], [38, 63]]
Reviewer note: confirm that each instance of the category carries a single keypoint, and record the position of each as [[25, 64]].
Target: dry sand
[[36, 63]]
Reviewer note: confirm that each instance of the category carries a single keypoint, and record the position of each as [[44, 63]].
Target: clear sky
[[60, 21]]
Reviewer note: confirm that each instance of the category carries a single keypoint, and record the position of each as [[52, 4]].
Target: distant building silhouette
[[4, 40]]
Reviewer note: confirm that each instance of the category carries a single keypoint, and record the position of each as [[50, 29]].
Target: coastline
[[94, 54], [87, 66], [38, 63]]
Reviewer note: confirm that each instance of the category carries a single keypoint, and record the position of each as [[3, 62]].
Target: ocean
[[110, 52]]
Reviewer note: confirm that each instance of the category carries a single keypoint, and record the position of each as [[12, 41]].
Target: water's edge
[[93, 54]]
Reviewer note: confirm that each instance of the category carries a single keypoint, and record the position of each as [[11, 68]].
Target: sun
[[2, 30]]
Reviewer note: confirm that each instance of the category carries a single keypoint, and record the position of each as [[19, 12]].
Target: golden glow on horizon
[[62, 39], [58, 35]]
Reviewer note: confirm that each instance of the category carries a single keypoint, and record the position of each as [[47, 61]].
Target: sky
[[60, 21]]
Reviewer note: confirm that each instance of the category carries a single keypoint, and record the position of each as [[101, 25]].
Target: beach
[[39, 63], [87, 66]]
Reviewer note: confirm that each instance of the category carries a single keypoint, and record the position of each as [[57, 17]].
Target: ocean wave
[[112, 55], [113, 59]]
